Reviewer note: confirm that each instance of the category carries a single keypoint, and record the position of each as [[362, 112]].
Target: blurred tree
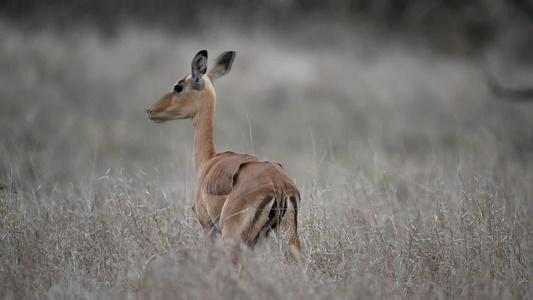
[[454, 26]]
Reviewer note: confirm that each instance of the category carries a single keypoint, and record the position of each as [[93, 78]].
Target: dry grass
[[415, 182]]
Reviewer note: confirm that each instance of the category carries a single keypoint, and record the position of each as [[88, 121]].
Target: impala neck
[[204, 127]]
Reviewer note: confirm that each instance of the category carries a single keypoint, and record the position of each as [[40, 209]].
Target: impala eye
[[178, 88]]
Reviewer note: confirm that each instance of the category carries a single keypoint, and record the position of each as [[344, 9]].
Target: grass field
[[415, 181]]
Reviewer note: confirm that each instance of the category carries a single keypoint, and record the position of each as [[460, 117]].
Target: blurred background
[[415, 173], [332, 86]]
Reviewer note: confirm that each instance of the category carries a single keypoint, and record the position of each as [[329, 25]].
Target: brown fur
[[237, 194]]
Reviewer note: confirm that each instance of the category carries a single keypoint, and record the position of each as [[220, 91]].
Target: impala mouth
[[157, 120], [154, 119], [151, 116]]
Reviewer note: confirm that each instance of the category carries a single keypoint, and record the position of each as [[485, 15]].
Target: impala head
[[188, 94]]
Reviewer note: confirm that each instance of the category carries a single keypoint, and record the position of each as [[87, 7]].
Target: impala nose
[[149, 111]]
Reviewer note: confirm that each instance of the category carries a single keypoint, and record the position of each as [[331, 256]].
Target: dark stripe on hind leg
[[258, 212]]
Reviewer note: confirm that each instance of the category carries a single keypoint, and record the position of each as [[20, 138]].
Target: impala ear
[[222, 65], [199, 67]]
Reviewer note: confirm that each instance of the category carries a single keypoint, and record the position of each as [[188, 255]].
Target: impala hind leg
[[290, 225], [210, 234], [232, 246]]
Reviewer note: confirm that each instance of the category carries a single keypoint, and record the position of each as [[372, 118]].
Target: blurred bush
[[452, 26]]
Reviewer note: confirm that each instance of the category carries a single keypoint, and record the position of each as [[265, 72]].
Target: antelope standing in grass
[[238, 195]]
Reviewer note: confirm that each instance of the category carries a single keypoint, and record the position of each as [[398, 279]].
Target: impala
[[237, 195]]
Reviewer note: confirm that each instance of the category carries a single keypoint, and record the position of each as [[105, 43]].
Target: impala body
[[238, 195]]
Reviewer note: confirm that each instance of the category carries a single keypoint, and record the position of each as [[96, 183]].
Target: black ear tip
[[202, 53], [226, 57], [231, 54]]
